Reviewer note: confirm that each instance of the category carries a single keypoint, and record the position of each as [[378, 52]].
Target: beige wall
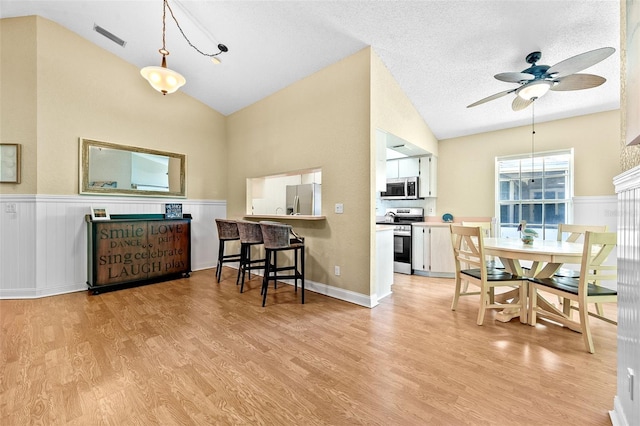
[[18, 98], [466, 167], [63, 87], [394, 113], [320, 121]]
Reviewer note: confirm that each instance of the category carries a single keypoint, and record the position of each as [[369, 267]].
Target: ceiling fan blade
[[578, 82], [579, 62], [492, 97], [514, 77], [519, 103]]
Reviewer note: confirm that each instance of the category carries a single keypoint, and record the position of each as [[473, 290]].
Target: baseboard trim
[[617, 414], [320, 288], [331, 291], [35, 293]]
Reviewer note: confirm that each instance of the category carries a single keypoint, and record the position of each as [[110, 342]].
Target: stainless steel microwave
[[401, 189]]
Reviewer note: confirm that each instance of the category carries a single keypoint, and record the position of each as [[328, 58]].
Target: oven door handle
[[402, 233]]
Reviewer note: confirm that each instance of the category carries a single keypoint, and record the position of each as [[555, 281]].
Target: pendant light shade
[[163, 79]]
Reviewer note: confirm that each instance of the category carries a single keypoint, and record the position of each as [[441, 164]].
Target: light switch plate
[[339, 208]]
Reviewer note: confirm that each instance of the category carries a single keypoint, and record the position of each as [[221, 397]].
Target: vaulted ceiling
[[443, 53]]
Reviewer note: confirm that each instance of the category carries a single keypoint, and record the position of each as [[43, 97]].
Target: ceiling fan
[[536, 80]]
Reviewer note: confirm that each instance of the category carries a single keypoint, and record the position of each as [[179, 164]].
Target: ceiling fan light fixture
[[534, 90]]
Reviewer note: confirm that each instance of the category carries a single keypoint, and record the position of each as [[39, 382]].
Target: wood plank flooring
[[192, 351]]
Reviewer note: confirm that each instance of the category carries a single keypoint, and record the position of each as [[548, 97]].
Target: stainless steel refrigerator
[[304, 199]]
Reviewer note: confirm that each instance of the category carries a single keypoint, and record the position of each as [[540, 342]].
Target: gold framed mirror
[[112, 169]]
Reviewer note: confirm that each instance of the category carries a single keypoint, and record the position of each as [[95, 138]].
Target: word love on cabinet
[[137, 249]]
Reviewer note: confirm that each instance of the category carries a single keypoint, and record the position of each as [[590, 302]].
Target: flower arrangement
[[526, 235]]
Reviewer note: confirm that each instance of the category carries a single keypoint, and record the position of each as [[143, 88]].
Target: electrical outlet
[[337, 270], [339, 208], [10, 208]]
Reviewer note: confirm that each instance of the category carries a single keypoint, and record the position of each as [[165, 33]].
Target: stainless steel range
[[402, 218]]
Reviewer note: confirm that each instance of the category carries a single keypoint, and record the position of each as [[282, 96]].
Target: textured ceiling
[[443, 54]]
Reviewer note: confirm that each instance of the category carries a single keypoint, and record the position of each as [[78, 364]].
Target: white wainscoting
[[601, 210], [43, 242], [43, 238], [626, 410]]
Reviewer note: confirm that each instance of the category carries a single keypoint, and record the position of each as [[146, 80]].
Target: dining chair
[[571, 233], [583, 290], [471, 266], [488, 231], [486, 227]]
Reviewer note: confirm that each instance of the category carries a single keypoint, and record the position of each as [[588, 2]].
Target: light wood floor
[[193, 351]]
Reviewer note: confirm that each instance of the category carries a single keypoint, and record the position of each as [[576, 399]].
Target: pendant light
[[164, 79]]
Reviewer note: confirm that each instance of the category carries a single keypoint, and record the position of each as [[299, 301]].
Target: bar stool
[[277, 238], [227, 231], [250, 235]]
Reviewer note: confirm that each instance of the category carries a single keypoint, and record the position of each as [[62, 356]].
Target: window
[[542, 198]]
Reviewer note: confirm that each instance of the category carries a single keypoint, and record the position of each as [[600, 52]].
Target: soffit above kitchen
[[443, 54]]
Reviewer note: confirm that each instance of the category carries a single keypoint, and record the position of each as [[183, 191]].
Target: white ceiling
[[443, 53]]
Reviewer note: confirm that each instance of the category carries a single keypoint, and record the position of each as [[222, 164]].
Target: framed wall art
[[99, 213], [9, 163]]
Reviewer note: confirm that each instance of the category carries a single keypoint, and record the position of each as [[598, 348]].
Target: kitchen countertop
[[435, 223], [284, 217]]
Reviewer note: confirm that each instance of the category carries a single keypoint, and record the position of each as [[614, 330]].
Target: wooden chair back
[[597, 248], [468, 248], [484, 226], [577, 231]]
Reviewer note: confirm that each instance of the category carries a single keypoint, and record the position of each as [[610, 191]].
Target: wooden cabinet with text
[[137, 249]]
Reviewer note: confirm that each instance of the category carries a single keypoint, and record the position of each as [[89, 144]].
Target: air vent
[[114, 38]]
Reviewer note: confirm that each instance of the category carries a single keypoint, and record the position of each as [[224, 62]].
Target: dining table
[[546, 257]]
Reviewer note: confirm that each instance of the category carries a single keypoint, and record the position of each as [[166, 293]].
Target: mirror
[[107, 168]]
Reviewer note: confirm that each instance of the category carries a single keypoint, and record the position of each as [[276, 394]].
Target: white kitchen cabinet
[[428, 174], [384, 260], [403, 167], [392, 169], [408, 167], [432, 253]]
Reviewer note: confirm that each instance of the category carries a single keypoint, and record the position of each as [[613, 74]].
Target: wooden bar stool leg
[[220, 255], [275, 270], [242, 262], [265, 279], [296, 272]]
